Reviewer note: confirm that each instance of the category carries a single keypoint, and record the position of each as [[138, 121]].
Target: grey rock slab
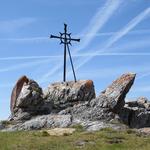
[[117, 91], [44, 121], [64, 95]]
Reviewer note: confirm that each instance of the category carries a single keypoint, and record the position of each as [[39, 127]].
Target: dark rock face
[[63, 95], [16, 91], [136, 114], [117, 91]]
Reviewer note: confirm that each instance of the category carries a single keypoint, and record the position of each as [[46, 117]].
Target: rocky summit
[[75, 103]]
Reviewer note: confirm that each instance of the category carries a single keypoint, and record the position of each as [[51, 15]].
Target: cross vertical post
[[66, 39], [65, 51]]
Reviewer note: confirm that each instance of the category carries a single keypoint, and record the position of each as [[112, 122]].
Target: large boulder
[[26, 99], [114, 95], [63, 95]]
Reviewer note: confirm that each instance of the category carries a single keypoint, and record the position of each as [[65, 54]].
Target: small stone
[[60, 131]]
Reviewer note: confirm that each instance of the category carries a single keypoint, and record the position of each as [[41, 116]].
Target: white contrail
[[119, 35], [142, 89], [20, 66], [56, 57], [97, 22], [28, 39], [143, 75], [112, 54], [82, 35], [30, 57], [13, 25], [143, 31], [128, 27]]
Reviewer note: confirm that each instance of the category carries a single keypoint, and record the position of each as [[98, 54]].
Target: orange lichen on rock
[[89, 84]]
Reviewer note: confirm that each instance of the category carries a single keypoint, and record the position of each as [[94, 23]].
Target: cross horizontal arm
[[78, 40], [53, 36], [57, 37]]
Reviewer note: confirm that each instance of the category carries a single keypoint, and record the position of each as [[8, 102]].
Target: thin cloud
[[46, 39], [143, 75], [141, 89], [30, 57], [99, 20], [23, 65], [143, 31], [113, 54], [13, 25], [134, 22], [28, 39]]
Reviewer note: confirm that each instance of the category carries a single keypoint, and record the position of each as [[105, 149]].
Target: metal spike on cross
[[65, 38]]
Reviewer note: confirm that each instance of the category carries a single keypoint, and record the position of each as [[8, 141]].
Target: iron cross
[[65, 38]]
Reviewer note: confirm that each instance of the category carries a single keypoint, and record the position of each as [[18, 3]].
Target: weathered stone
[[63, 95], [117, 91], [16, 91], [144, 131]]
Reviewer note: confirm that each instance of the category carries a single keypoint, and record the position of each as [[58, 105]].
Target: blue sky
[[115, 39]]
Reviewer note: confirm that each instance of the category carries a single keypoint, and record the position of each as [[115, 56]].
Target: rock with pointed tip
[[117, 91]]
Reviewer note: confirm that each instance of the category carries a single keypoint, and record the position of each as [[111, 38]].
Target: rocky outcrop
[[64, 95], [71, 103]]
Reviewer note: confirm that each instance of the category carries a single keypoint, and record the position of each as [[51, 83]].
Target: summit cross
[[65, 38]]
